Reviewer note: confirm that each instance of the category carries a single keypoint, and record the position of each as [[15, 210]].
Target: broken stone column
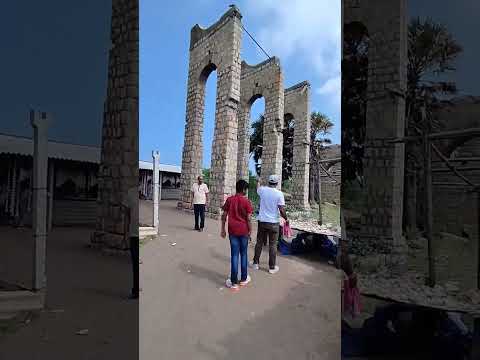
[[39, 122], [214, 48], [297, 105], [156, 157], [118, 170]]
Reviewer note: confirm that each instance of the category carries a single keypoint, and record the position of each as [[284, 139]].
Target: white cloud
[[332, 89], [308, 31]]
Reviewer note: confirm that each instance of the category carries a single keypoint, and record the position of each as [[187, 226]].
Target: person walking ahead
[[199, 202], [272, 202], [237, 209]]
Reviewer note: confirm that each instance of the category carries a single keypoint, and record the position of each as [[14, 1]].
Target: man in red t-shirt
[[238, 209]]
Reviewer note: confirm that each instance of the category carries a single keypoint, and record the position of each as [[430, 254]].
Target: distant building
[[72, 182], [169, 181]]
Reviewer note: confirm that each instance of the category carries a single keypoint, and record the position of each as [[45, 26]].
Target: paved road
[[187, 313]]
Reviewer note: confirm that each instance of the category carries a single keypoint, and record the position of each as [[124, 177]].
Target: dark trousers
[[199, 210], [135, 255], [266, 231]]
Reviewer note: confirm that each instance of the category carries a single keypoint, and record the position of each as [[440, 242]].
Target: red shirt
[[238, 209]]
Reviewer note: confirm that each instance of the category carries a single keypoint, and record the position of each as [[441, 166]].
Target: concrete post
[[39, 122], [51, 188], [160, 186], [156, 158]]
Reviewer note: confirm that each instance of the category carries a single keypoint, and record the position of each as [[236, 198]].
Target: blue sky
[[55, 60], [304, 34]]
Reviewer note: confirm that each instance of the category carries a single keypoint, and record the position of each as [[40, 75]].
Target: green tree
[[354, 100], [321, 126], [432, 52], [206, 176]]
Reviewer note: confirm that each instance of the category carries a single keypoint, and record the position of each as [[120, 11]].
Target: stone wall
[[214, 48], [297, 104], [262, 80], [119, 160], [385, 118]]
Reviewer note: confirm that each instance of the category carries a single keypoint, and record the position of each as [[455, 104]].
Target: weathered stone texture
[[238, 86], [119, 160], [297, 105], [215, 48], [385, 119], [262, 80]]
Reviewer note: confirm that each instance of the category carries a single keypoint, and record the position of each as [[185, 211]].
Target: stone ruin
[[383, 162], [238, 86], [119, 158], [379, 239]]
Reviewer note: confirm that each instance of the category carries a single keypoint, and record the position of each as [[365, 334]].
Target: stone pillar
[[243, 140], [272, 153], [385, 120], [39, 122], [297, 104], [118, 170], [156, 157], [214, 48]]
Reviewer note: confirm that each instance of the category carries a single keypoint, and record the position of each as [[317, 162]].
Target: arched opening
[[287, 152], [256, 123], [208, 84], [354, 111]]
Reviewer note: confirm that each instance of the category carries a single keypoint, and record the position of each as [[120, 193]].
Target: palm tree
[[321, 126], [432, 52]]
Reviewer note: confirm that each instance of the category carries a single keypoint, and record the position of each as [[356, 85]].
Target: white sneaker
[[255, 266], [243, 283], [274, 271], [229, 285]]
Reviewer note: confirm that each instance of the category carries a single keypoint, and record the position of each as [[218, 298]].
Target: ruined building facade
[[238, 86]]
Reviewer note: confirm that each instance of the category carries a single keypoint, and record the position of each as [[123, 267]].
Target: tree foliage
[[321, 126], [432, 52], [354, 100]]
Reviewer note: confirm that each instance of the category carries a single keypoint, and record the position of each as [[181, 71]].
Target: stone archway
[[214, 48], [262, 80]]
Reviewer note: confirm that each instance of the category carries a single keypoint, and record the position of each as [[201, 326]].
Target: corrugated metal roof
[[148, 165], [10, 144]]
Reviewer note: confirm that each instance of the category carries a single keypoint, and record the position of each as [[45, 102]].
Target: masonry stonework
[[262, 80], [214, 48], [385, 119], [238, 86], [297, 105], [119, 155]]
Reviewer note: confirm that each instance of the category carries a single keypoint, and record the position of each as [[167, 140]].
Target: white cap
[[273, 179]]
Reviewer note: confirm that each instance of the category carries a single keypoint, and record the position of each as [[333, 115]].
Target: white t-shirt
[[270, 200], [200, 193]]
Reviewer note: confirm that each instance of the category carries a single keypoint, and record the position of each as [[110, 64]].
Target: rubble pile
[[411, 288]]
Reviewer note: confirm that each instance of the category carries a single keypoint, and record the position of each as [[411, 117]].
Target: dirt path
[[187, 313], [86, 290]]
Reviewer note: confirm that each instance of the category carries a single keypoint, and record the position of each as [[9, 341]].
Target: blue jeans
[[238, 246]]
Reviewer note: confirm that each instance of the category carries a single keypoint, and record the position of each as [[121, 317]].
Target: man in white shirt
[[199, 202], [272, 204]]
